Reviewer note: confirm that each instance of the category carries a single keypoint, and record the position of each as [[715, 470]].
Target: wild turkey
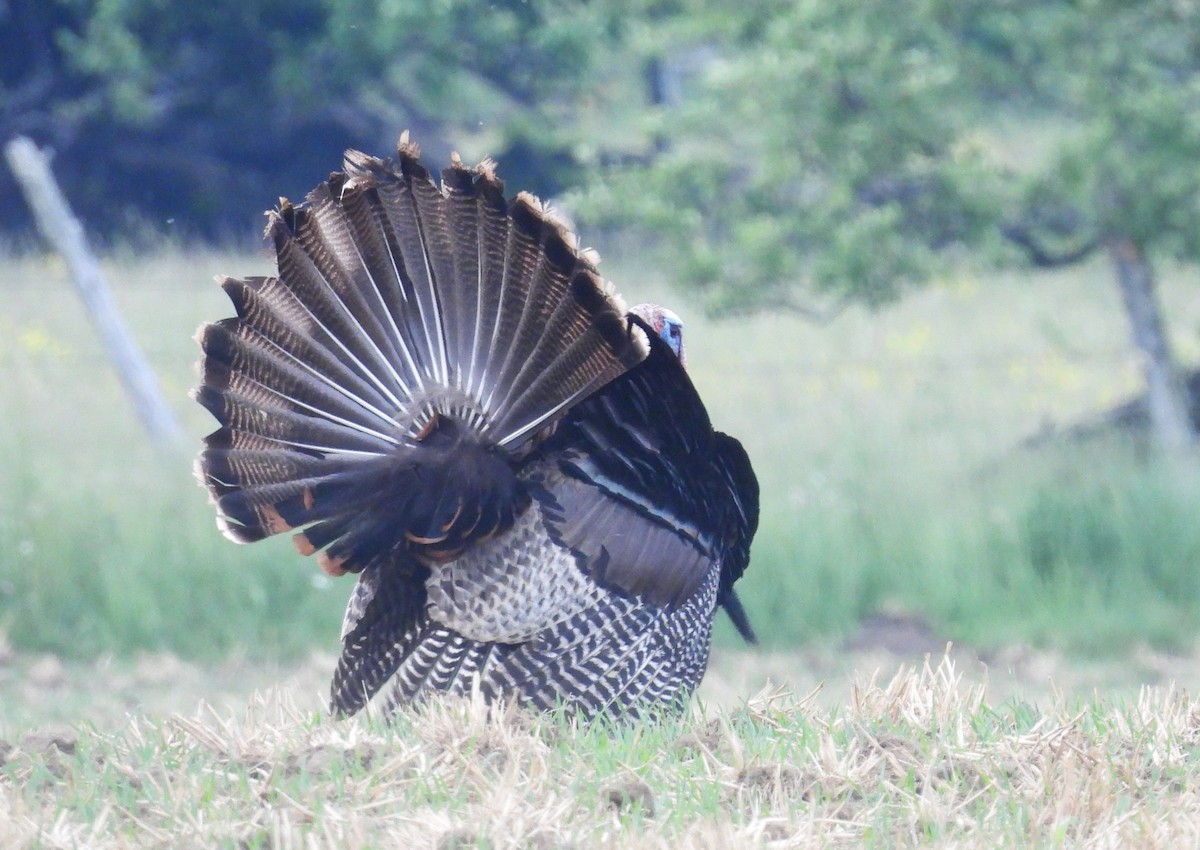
[[439, 393]]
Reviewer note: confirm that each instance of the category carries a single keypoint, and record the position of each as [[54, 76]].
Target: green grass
[[1085, 547], [111, 546], [895, 474], [888, 446], [922, 760]]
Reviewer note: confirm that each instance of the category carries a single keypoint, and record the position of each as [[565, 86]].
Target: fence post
[[65, 234]]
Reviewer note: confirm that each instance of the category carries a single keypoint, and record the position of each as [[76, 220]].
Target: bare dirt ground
[[41, 691]]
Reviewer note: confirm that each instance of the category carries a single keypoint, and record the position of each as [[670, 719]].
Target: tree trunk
[[1166, 397]]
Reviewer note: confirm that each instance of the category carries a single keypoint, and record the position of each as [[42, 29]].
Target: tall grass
[[888, 447], [110, 544]]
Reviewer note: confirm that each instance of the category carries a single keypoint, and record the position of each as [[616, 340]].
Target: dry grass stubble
[[921, 760]]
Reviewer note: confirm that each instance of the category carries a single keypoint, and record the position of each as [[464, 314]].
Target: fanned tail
[[415, 339]]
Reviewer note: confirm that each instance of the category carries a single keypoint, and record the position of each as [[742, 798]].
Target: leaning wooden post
[[64, 232]]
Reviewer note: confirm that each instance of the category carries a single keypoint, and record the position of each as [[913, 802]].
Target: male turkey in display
[[439, 393]]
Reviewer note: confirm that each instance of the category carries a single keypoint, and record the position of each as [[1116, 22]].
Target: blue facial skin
[[672, 332]]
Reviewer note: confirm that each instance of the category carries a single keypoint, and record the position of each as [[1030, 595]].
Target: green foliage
[[203, 116], [832, 151], [1125, 79], [820, 155], [786, 155]]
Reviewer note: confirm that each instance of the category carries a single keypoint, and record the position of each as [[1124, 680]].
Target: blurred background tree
[[835, 151], [793, 155], [199, 117]]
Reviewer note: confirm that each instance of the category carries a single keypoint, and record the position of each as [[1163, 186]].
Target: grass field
[[888, 446], [898, 496], [921, 759]]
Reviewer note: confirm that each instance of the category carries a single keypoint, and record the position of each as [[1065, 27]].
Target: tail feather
[[264, 467], [573, 375], [239, 345], [242, 362], [254, 407], [385, 287], [527, 293], [328, 311], [415, 336], [260, 492], [329, 238], [253, 424], [408, 226], [493, 229], [444, 311], [466, 212], [270, 308]]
